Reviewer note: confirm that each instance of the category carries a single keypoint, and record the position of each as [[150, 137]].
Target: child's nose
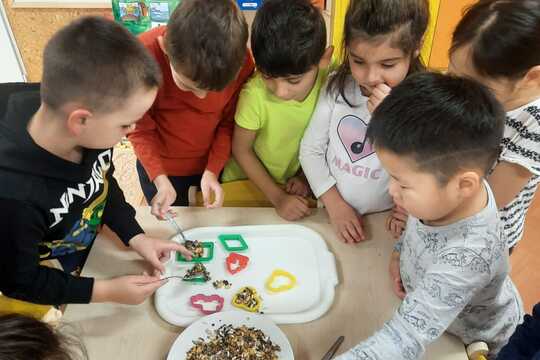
[[281, 90], [393, 189], [373, 77]]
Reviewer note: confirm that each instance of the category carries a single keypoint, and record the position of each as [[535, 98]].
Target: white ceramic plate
[[199, 329]]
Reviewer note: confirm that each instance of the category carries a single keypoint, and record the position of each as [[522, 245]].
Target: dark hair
[[504, 36], [369, 19], [97, 63], [288, 37], [206, 41], [444, 123], [23, 338]]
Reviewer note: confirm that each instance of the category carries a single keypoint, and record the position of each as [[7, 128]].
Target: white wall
[[11, 65]]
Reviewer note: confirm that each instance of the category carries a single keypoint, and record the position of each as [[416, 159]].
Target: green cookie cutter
[[198, 280], [208, 247], [225, 238], [201, 277]]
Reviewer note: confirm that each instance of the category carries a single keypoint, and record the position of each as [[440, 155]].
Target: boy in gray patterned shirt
[[437, 136]]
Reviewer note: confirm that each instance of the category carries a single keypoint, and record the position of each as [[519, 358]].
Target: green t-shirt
[[279, 125]]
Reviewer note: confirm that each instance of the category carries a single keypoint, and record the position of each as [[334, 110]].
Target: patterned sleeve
[[521, 143], [426, 312]]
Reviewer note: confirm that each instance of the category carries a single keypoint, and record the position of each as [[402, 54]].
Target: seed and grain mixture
[[220, 284], [195, 247], [198, 271], [234, 343]]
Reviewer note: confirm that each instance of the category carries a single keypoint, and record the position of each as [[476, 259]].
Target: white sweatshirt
[[335, 151]]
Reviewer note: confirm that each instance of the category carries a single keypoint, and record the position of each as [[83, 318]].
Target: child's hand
[[395, 276], [396, 221], [130, 289], [210, 183], [292, 207], [347, 222], [165, 197], [156, 251], [377, 96], [297, 186]]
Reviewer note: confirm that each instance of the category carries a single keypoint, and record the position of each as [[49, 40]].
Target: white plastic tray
[[293, 248], [200, 329]]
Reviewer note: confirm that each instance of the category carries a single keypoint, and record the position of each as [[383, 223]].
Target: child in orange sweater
[[185, 137]]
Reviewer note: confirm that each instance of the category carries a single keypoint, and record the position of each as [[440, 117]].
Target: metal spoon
[[175, 225], [166, 278]]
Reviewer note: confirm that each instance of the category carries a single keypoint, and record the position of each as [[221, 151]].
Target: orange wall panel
[[450, 12]]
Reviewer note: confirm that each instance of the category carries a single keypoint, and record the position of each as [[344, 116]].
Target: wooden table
[[364, 298]]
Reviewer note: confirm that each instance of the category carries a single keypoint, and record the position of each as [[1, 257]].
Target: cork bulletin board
[[32, 27]]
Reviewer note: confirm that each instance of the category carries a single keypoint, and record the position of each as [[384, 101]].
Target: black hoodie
[[51, 207]]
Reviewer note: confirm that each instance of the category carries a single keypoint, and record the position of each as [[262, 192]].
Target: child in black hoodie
[[56, 183]]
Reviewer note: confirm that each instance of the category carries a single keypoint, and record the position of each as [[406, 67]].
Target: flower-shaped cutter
[[281, 288]]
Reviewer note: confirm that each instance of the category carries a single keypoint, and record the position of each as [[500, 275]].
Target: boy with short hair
[[185, 137], [56, 183], [288, 40], [438, 136]]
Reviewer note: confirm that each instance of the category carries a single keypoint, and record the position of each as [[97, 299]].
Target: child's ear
[[326, 58], [532, 78], [77, 121], [469, 183], [161, 42]]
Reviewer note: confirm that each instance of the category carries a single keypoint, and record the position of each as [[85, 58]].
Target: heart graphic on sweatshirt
[[352, 133]]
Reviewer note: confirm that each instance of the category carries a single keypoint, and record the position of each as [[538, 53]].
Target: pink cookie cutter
[[198, 302]]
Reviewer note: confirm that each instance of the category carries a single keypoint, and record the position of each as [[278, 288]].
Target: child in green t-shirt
[[288, 40]]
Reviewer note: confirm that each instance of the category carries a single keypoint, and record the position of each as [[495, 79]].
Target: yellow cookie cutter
[[280, 273], [256, 299]]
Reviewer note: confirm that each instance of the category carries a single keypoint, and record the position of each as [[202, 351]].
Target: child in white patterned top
[[498, 43]]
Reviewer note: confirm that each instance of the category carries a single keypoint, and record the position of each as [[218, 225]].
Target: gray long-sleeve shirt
[[456, 280]]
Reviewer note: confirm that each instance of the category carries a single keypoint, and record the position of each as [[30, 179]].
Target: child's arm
[[146, 145], [379, 93], [21, 229], [289, 207], [345, 219], [396, 221], [221, 147], [129, 289], [395, 275], [423, 316], [298, 185], [119, 216], [519, 159], [506, 181]]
